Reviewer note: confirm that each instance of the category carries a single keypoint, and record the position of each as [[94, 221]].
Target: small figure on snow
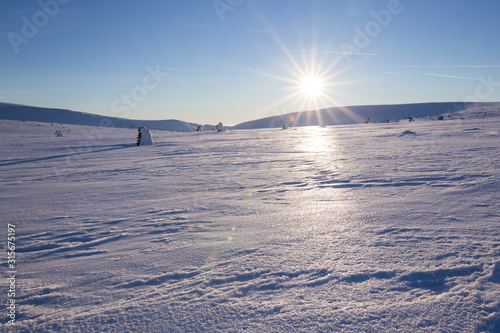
[[58, 133]]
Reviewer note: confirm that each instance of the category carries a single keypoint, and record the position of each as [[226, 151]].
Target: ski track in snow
[[349, 228]]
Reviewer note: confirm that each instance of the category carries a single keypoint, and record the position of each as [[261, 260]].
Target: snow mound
[[495, 274], [220, 128], [408, 132], [146, 138]]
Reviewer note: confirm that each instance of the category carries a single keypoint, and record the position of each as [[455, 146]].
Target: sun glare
[[313, 79], [311, 86]]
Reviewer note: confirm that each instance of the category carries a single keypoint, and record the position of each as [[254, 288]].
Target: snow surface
[[351, 228]]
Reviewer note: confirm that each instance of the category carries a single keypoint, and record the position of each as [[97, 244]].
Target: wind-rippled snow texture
[[349, 228]]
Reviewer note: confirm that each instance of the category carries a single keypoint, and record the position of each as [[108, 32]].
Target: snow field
[[356, 228]]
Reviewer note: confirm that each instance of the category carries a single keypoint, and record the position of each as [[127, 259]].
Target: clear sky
[[207, 61]]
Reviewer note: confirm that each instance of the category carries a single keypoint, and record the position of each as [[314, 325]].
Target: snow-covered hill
[[353, 228], [31, 113], [324, 117], [360, 114]]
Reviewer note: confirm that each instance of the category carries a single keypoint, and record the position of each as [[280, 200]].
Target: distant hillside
[[323, 117], [46, 115], [354, 115]]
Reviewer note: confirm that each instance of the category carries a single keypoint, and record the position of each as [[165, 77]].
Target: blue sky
[[239, 60]]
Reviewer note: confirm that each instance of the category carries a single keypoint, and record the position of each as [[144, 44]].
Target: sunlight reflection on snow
[[317, 140]]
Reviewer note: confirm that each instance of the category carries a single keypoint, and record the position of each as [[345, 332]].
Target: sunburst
[[310, 84], [312, 77]]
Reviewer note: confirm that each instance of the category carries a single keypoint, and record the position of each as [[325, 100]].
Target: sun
[[311, 81], [311, 86]]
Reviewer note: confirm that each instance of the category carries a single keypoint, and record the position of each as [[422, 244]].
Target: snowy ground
[[360, 228]]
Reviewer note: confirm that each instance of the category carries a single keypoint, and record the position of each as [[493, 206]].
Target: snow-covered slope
[[351, 228], [31, 113], [360, 114]]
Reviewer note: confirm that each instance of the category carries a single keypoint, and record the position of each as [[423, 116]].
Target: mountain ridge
[[323, 117], [354, 114], [65, 116]]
